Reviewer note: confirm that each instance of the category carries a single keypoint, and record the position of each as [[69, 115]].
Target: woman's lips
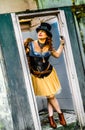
[[40, 35]]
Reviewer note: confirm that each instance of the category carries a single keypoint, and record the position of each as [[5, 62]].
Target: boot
[[62, 119], [52, 122]]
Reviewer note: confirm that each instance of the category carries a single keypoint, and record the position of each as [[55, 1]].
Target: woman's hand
[[57, 53], [62, 41]]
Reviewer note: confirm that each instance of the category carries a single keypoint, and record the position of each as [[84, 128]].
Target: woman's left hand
[[62, 40]]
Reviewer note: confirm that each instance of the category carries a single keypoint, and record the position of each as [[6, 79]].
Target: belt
[[42, 73]]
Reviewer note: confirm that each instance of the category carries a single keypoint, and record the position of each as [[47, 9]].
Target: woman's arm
[[57, 53]]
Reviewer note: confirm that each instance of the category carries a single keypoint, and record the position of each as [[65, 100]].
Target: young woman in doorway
[[44, 77]]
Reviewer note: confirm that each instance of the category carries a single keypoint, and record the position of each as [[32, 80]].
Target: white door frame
[[71, 72], [69, 61], [26, 73]]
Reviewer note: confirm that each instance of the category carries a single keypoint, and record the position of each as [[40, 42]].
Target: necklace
[[41, 45]]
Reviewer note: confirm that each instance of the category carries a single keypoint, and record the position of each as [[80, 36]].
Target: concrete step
[[70, 117]]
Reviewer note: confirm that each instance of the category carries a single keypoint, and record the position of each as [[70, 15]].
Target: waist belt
[[42, 74]]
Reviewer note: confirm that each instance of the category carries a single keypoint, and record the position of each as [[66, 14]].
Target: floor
[[70, 117]]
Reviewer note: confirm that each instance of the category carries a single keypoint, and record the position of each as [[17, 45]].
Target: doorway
[[65, 97], [65, 67]]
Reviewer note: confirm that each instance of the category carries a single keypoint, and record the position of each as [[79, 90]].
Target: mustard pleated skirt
[[47, 86]]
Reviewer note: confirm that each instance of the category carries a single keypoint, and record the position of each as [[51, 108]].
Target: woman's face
[[42, 34]]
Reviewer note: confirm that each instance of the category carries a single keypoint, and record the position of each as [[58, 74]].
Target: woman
[[44, 77]]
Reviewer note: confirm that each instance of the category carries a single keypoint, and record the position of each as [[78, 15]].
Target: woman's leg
[[54, 102], [50, 117], [50, 108]]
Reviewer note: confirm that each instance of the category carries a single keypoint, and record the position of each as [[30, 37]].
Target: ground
[[70, 117]]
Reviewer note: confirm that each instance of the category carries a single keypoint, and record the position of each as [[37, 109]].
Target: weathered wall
[[43, 4], [20, 108], [7, 6], [53, 3], [78, 2], [5, 112]]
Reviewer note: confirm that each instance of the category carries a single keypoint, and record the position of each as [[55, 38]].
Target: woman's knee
[[50, 97]]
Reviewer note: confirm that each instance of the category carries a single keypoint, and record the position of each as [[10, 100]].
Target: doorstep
[[70, 117]]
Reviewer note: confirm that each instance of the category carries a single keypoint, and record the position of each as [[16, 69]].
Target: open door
[[24, 25]]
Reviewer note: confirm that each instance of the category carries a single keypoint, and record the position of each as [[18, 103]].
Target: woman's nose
[[40, 31]]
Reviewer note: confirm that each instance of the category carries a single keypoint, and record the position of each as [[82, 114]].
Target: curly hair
[[49, 43]]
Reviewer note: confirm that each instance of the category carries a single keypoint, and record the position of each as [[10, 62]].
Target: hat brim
[[47, 31]]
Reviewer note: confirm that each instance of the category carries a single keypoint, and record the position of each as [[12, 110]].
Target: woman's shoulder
[[27, 41], [33, 42]]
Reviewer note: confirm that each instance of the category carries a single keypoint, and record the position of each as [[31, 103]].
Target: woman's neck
[[42, 41]]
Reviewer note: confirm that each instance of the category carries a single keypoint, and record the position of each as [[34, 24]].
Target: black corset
[[39, 63]]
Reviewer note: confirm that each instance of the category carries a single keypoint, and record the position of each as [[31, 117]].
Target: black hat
[[46, 27]]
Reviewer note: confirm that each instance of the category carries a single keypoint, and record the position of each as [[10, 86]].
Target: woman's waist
[[40, 66], [38, 70]]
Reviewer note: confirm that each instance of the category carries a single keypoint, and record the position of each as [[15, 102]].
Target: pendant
[[41, 45], [43, 60]]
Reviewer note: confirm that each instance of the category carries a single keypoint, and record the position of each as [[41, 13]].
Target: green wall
[[21, 113], [46, 4], [43, 4]]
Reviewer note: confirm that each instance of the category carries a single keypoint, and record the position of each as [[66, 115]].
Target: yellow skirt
[[47, 86]]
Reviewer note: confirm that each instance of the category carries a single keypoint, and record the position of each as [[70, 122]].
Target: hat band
[[43, 28]]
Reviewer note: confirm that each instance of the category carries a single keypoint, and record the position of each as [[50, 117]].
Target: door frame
[[69, 62], [72, 74]]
